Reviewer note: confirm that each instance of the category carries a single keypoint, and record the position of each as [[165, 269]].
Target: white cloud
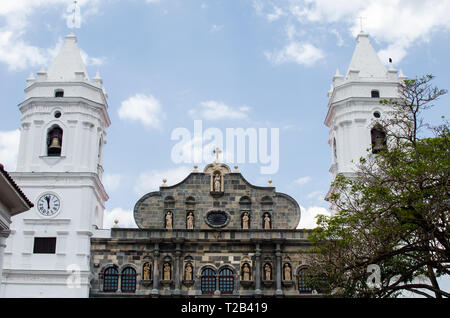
[[143, 108], [296, 52], [213, 110], [92, 61], [216, 28], [152, 180], [9, 148], [125, 218], [112, 181], [308, 216], [18, 53], [395, 24], [316, 195], [276, 14], [303, 180]]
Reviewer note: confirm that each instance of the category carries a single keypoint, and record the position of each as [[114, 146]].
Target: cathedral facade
[[213, 234]]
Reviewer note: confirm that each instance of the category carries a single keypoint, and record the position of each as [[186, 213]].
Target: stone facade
[[216, 250]]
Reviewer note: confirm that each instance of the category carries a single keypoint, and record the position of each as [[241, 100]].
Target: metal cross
[[361, 22], [74, 12], [217, 151]]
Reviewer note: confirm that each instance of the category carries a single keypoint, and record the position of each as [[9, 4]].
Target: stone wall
[[203, 249]]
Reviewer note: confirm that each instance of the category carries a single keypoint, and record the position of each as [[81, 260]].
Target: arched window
[[303, 287], [208, 281], [375, 93], [128, 281], [378, 138], [226, 281], [54, 141], [110, 280]]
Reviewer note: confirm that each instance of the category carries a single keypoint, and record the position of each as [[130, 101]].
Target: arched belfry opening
[[378, 138], [54, 141]]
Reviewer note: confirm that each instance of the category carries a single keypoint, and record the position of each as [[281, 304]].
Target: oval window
[[217, 218]]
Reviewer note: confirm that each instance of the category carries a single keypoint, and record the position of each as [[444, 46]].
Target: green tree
[[395, 212]]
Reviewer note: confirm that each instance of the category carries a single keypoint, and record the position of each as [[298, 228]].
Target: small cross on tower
[[361, 23], [217, 151]]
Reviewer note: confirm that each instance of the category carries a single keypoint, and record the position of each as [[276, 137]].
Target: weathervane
[[74, 12], [74, 15]]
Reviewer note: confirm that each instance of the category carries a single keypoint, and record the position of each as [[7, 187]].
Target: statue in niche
[[169, 220], [267, 272], [190, 221], [188, 272], [246, 272], [287, 272], [266, 221], [147, 271], [217, 182], [166, 274], [245, 221]]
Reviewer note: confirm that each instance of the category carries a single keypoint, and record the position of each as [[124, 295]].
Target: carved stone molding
[[268, 283], [287, 283], [247, 283], [188, 283]]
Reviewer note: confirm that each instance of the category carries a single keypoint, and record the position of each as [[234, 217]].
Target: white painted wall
[[75, 178]]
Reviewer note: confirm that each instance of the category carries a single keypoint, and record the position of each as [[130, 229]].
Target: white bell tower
[[354, 106], [63, 129]]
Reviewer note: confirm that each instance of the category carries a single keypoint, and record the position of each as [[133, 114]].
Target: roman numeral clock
[[48, 204]]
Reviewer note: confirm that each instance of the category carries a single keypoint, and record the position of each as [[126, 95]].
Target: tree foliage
[[395, 212]]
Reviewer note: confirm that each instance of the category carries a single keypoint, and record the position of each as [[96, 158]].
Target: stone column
[[258, 291], [177, 269], [155, 291], [3, 236], [278, 292]]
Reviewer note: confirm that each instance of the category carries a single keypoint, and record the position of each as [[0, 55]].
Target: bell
[[55, 143], [55, 146], [379, 144]]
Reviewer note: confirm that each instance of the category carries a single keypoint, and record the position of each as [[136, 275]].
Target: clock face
[[48, 204]]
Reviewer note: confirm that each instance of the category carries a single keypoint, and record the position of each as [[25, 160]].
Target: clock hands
[[47, 198]]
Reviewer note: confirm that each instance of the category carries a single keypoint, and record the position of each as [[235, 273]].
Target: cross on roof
[[217, 151], [74, 14], [361, 23]]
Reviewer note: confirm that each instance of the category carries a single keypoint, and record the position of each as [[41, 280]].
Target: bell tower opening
[[54, 141], [378, 137]]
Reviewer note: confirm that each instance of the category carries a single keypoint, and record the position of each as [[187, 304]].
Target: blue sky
[[252, 63]]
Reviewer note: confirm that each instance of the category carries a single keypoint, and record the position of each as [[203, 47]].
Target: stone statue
[[246, 270], [166, 275], [188, 272], [169, 220], [245, 220], [287, 272], [217, 182], [190, 221], [267, 272], [147, 269], [266, 221]]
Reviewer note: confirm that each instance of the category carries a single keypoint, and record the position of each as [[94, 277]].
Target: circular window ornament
[[217, 219], [57, 114], [377, 114]]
